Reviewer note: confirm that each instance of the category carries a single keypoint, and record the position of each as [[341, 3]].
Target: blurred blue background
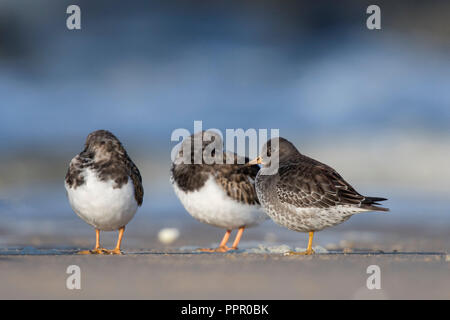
[[375, 105]]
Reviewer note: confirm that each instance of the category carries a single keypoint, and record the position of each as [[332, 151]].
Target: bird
[[303, 194], [104, 187], [216, 193]]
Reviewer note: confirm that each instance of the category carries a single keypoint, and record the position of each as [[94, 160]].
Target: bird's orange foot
[[219, 249], [303, 253], [94, 251], [116, 251]]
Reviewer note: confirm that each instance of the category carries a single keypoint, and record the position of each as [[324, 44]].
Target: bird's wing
[[238, 181], [137, 182], [315, 185], [74, 176]]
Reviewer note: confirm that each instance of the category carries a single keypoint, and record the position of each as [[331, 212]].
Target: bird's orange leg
[[97, 249], [119, 242], [309, 250], [238, 238], [222, 246]]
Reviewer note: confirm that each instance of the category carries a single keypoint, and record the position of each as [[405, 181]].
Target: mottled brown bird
[[304, 194], [219, 194], [104, 187]]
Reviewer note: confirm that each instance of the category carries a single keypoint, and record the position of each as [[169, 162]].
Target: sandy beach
[[414, 263], [361, 88], [151, 270], [176, 275]]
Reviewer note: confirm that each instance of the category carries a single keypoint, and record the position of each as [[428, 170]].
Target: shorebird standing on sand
[[104, 187], [305, 195], [219, 194]]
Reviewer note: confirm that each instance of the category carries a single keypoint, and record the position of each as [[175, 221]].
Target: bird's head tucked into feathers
[[201, 148], [102, 144]]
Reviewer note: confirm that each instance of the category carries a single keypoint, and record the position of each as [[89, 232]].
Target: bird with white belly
[[219, 194], [104, 187]]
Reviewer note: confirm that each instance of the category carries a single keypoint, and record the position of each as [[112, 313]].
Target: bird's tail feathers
[[371, 203]]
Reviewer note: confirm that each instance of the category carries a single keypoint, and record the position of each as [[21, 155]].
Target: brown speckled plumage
[[307, 195], [305, 182], [105, 155], [237, 179]]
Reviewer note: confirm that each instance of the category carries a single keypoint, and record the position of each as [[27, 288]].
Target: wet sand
[[173, 274], [412, 266]]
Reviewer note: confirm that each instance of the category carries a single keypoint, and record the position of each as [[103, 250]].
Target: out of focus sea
[[376, 107]]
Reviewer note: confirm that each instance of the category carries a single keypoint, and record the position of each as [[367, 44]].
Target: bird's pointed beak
[[255, 161]]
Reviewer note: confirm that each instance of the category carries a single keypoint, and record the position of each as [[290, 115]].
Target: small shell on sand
[[168, 235]]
